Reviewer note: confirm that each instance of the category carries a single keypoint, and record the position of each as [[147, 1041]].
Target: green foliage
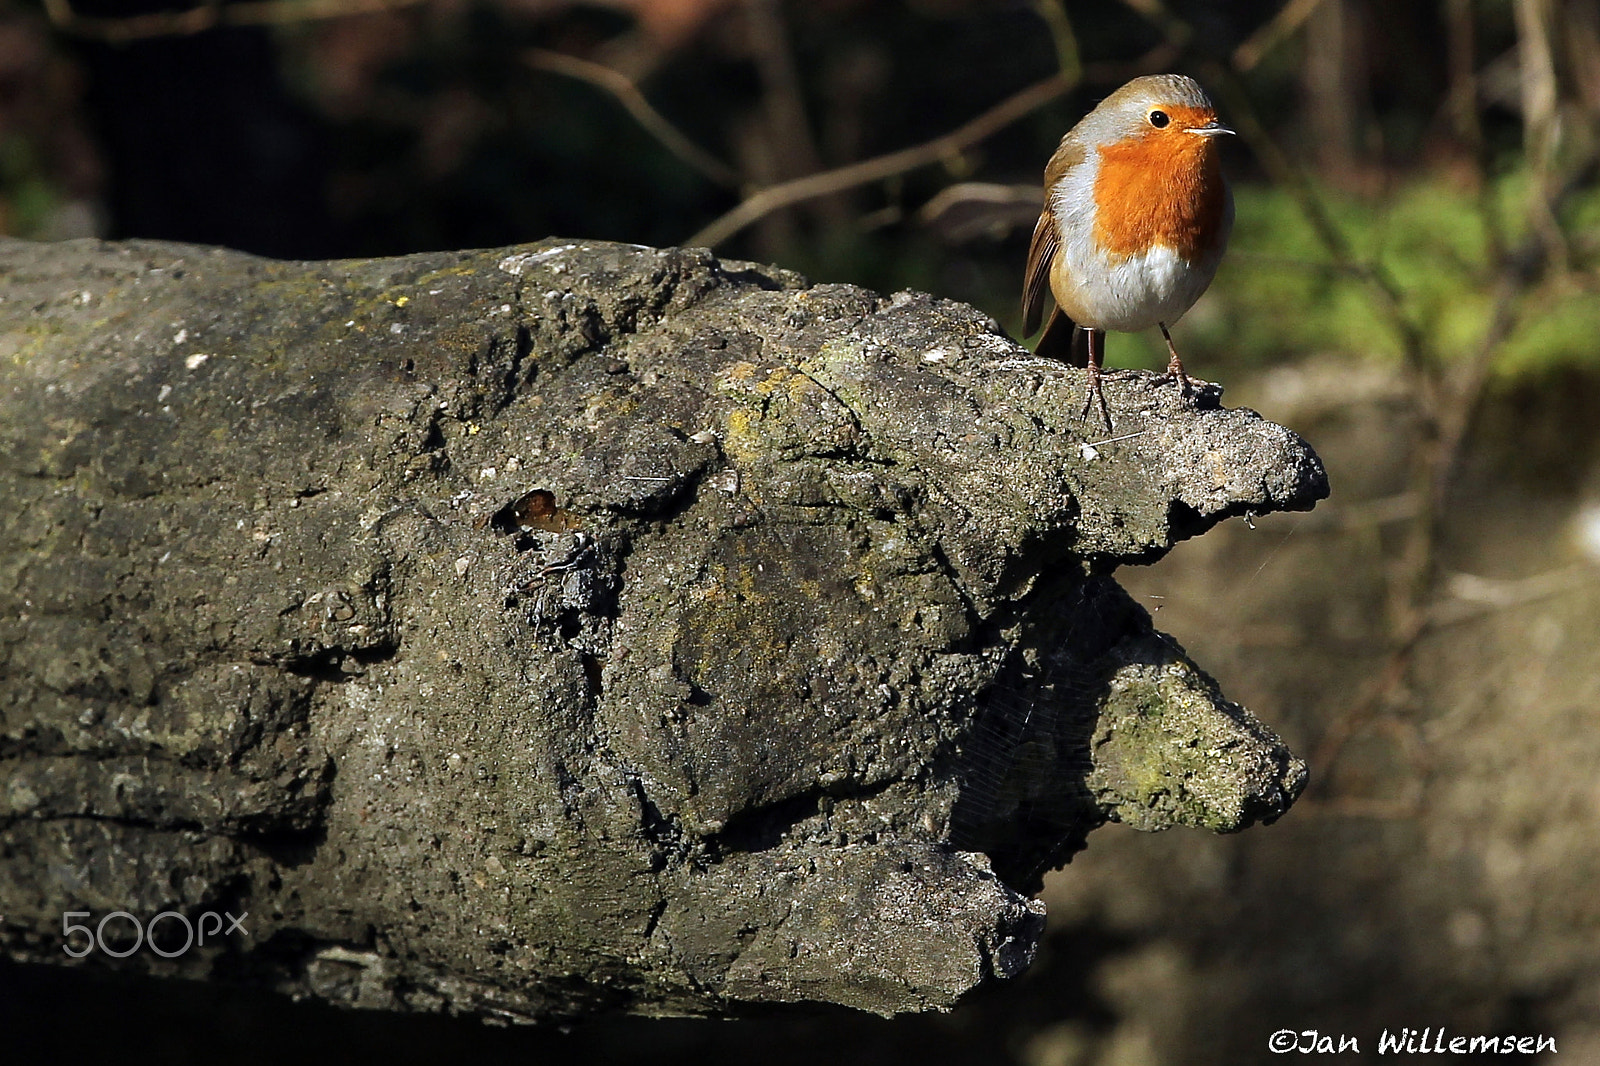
[[1280, 293], [27, 197]]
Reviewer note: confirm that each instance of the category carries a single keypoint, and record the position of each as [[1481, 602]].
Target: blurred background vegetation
[[1413, 284]]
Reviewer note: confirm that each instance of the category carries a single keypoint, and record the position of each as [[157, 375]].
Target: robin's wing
[[1060, 341], [1046, 237], [1036, 280]]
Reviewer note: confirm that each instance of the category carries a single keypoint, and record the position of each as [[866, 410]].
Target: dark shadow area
[[74, 1015], [1023, 800]]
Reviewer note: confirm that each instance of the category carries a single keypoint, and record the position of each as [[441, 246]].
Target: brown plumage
[[1135, 219]]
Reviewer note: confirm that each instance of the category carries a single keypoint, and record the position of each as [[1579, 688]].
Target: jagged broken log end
[[538, 632]]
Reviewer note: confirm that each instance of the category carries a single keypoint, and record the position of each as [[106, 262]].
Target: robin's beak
[[1211, 129]]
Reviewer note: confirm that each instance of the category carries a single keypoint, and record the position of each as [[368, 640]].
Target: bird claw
[[1175, 371], [1185, 383], [1095, 393]]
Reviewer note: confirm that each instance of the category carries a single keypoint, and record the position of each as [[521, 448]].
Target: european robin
[[1136, 215]]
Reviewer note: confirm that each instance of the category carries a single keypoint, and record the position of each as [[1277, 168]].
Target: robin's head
[[1159, 180], [1160, 109]]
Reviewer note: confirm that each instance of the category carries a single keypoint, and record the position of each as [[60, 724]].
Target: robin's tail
[[1060, 341]]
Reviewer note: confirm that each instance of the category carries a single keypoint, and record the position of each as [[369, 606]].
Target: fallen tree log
[[580, 627]]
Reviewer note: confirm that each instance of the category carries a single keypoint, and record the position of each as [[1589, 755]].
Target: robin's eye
[[1159, 119]]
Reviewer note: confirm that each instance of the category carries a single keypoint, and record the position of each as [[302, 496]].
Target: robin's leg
[[1096, 337], [1174, 364]]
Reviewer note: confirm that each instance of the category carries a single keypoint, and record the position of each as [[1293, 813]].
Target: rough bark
[[583, 627]]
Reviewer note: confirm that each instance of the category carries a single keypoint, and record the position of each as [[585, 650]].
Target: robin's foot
[[1175, 365], [1175, 373], [1093, 395]]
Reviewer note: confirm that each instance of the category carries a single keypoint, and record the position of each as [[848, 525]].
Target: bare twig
[[1461, 47], [1161, 17], [1467, 597], [208, 15], [1274, 32], [1283, 172], [1462, 104], [788, 125], [1377, 693], [1448, 407], [1535, 20], [943, 148], [1459, 409], [1068, 58], [940, 148], [628, 95], [1472, 597]]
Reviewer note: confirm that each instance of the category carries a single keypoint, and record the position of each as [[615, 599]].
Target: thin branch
[[1161, 17], [1282, 171], [1377, 693], [1448, 414], [209, 15], [788, 125], [1068, 57], [627, 94], [1540, 119], [940, 148], [1472, 597], [1461, 48], [1278, 29], [1286, 174], [1459, 409]]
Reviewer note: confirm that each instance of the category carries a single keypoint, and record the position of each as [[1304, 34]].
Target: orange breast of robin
[[1161, 187]]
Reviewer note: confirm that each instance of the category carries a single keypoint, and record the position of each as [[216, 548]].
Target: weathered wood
[[583, 627]]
